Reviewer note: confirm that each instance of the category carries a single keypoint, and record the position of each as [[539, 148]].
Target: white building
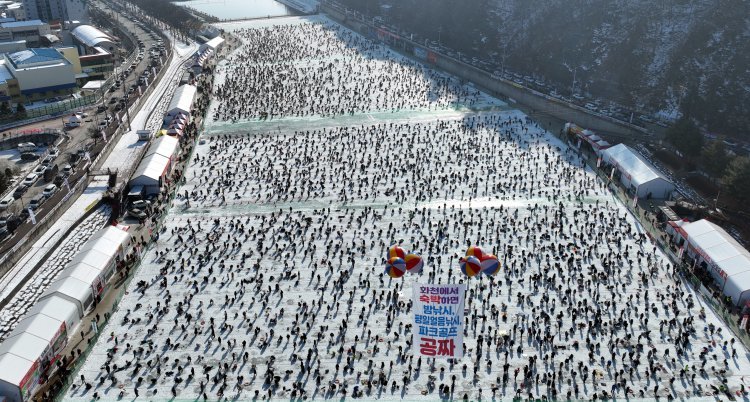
[[214, 44], [182, 101], [151, 173], [165, 146], [636, 174], [41, 72], [90, 37], [713, 249]]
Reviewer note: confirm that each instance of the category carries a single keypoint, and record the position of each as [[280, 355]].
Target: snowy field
[[268, 281]]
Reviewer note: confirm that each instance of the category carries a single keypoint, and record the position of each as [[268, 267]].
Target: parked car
[[143, 205], [39, 170], [37, 202], [4, 204], [29, 156], [30, 179], [49, 190], [19, 191], [137, 213]]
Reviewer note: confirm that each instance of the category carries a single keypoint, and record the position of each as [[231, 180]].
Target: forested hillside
[[664, 57]]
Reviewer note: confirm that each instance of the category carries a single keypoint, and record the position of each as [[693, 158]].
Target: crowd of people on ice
[[268, 280], [323, 69]]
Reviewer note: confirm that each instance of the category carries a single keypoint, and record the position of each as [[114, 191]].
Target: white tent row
[[34, 345], [86, 275], [38, 339], [712, 247], [636, 174], [182, 100]]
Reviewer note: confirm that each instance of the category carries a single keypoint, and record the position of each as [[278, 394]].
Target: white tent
[[27, 346], [71, 289], [86, 273], [182, 100], [91, 36], [636, 174], [213, 44], [727, 261], [164, 146], [18, 378], [150, 172], [115, 234], [110, 241], [49, 329], [59, 308]]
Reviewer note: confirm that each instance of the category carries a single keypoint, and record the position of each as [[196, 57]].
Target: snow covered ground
[[267, 281]]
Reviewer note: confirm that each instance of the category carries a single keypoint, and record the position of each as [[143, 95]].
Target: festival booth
[[96, 261], [182, 101], [636, 175], [165, 146], [52, 331], [579, 136], [58, 308], [713, 249], [19, 377], [214, 44], [151, 173], [74, 290], [88, 274]]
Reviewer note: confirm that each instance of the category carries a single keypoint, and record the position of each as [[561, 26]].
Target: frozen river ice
[[267, 281]]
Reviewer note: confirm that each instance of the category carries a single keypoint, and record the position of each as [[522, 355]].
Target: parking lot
[[57, 168]]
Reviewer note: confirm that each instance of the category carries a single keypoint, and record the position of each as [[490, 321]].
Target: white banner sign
[[438, 320]]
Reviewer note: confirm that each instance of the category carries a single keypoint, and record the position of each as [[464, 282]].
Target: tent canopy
[[629, 162], [28, 346], [58, 308], [72, 288], [15, 368], [39, 325], [164, 146], [84, 273], [182, 100], [730, 261], [150, 171]]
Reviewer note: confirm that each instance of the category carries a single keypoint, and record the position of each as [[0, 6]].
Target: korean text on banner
[[439, 320]]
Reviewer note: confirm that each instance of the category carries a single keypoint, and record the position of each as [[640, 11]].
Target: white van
[[4, 204]]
